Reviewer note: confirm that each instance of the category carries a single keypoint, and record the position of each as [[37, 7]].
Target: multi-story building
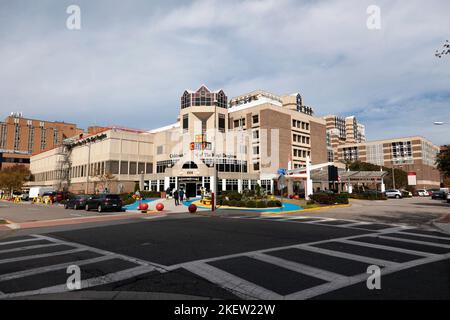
[[21, 137], [236, 145], [411, 154], [340, 131]]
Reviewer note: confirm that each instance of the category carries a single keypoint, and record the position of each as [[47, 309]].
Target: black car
[[77, 202], [439, 195], [103, 202]]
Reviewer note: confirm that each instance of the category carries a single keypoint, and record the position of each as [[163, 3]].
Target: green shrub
[[250, 204], [261, 204], [233, 195], [224, 202], [324, 198], [240, 204], [150, 194], [273, 203], [233, 203], [342, 198]]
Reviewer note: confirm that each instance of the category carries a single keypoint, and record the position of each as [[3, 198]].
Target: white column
[[350, 188], [309, 184], [224, 184], [272, 186], [203, 182], [240, 185], [213, 184], [166, 183], [176, 182], [157, 186]]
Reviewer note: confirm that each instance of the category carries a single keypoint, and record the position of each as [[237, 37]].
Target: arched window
[[190, 165]]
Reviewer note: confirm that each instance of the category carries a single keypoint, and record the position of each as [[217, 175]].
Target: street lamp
[[440, 123]]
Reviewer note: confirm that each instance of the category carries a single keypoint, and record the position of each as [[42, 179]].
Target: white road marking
[[237, 285], [32, 272], [332, 286], [44, 255], [297, 267], [29, 247], [157, 266], [423, 235], [349, 256], [389, 248], [17, 241], [432, 244], [108, 278]]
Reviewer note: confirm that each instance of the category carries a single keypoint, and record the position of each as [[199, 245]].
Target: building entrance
[[190, 185]]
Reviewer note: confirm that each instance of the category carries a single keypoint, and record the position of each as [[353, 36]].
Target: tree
[[13, 178], [401, 177], [443, 161], [106, 179]]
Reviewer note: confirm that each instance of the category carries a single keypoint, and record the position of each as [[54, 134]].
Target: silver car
[[394, 193]]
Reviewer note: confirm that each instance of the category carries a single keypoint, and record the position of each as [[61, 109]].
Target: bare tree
[[105, 180], [444, 51]]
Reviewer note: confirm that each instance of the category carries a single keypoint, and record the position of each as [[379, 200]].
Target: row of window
[[300, 124], [301, 139], [301, 153]]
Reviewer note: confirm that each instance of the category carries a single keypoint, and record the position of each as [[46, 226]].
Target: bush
[[240, 204], [342, 198], [250, 204], [150, 194], [127, 198], [274, 203], [233, 195], [324, 198], [233, 203], [261, 204], [224, 202]]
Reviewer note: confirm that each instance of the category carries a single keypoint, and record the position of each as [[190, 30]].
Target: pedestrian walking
[[181, 195], [176, 197]]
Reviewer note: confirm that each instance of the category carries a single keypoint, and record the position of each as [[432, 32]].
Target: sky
[[131, 60]]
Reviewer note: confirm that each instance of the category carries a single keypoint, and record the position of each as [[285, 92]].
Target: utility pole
[[393, 176]]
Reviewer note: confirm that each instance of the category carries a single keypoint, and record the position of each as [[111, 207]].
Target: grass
[[3, 221]]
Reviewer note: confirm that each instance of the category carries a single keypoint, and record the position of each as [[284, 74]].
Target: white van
[[36, 192]]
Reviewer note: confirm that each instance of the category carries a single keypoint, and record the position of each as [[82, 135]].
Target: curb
[[440, 228]]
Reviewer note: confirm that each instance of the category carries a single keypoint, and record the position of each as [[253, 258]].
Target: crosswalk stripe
[[29, 247], [297, 267], [389, 248], [105, 279], [424, 235], [237, 285], [30, 272], [17, 241], [416, 241], [339, 254], [44, 255]]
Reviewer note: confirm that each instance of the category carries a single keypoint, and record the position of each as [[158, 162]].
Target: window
[[221, 123], [190, 165], [16, 136], [160, 150], [256, 134], [255, 119], [256, 166], [132, 167], [256, 150], [186, 122], [123, 167], [43, 138], [149, 168]]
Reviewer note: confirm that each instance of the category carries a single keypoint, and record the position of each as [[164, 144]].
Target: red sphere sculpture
[[291, 196], [297, 197], [160, 207], [143, 206], [192, 208]]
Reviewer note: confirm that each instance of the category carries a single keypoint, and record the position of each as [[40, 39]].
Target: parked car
[[406, 193], [77, 202], [448, 198], [394, 193], [439, 195], [104, 202], [423, 193], [430, 191], [24, 196], [49, 196]]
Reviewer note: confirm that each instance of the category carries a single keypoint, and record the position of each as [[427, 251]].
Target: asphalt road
[[241, 257]]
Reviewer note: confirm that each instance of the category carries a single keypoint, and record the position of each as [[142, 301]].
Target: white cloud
[[130, 63]]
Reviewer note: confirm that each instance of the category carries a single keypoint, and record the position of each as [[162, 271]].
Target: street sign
[[281, 182], [281, 171]]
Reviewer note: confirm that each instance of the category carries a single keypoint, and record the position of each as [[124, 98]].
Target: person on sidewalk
[[181, 195], [176, 197]]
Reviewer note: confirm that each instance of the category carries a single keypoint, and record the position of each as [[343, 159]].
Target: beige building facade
[[236, 144]]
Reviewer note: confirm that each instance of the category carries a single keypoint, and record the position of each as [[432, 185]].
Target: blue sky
[[131, 61]]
